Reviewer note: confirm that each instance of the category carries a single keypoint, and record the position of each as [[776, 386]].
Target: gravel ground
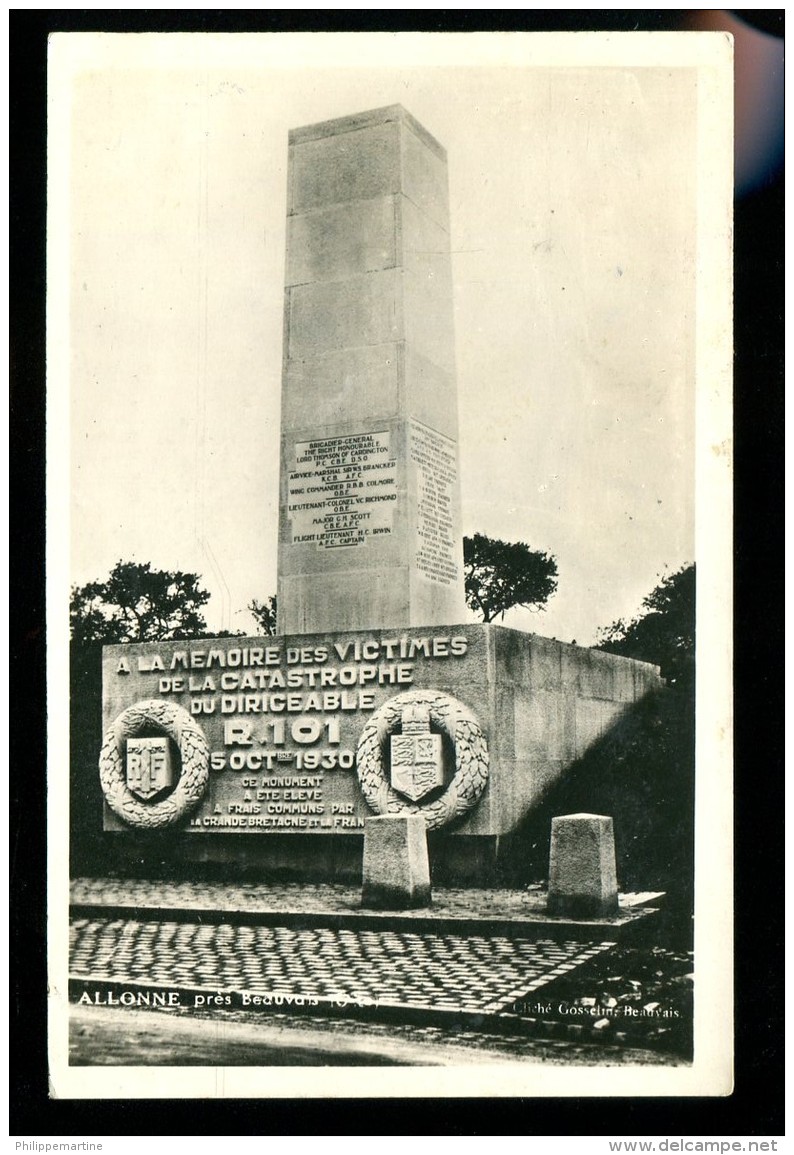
[[631, 995], [104, 1037]]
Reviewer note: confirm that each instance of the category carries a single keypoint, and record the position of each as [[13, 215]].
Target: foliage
[[265, 615], [664, 631], [499, 575], [138, 604]]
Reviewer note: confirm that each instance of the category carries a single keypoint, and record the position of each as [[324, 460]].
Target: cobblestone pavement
[[471, 972]]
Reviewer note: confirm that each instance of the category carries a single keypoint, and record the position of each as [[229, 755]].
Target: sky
[[574, 226]]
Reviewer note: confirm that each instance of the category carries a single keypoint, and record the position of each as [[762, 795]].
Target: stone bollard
[[582, 873], [396, 871]]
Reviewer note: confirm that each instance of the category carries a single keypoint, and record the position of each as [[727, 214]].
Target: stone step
[[509, 913]]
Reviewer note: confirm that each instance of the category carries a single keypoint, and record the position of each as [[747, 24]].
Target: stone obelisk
[[370, 531]]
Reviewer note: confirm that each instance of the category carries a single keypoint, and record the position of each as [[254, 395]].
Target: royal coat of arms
[[416, 755]]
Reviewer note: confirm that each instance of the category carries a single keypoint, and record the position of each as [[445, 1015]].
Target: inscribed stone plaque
[[282, 719], [434, 457], [342, 490]]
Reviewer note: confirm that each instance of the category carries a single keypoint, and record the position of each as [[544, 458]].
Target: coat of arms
[[149, 766], [416, 757]]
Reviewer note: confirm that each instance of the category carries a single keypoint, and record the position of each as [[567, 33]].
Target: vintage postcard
[[389, 424]]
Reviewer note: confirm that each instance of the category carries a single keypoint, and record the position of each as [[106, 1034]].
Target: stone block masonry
[[582, 873], [396, 871], [370, 527]]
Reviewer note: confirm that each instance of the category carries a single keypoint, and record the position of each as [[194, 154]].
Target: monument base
[[296, 741], [575, 906]]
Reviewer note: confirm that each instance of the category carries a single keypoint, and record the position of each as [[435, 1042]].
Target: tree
[[664, 630], [499, 575], [138, 604], [265, 614]]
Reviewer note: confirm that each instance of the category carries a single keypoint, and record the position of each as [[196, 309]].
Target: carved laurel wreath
[[471, 758], [194, 751]]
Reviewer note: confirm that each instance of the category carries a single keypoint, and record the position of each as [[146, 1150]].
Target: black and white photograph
[[389, 471]]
